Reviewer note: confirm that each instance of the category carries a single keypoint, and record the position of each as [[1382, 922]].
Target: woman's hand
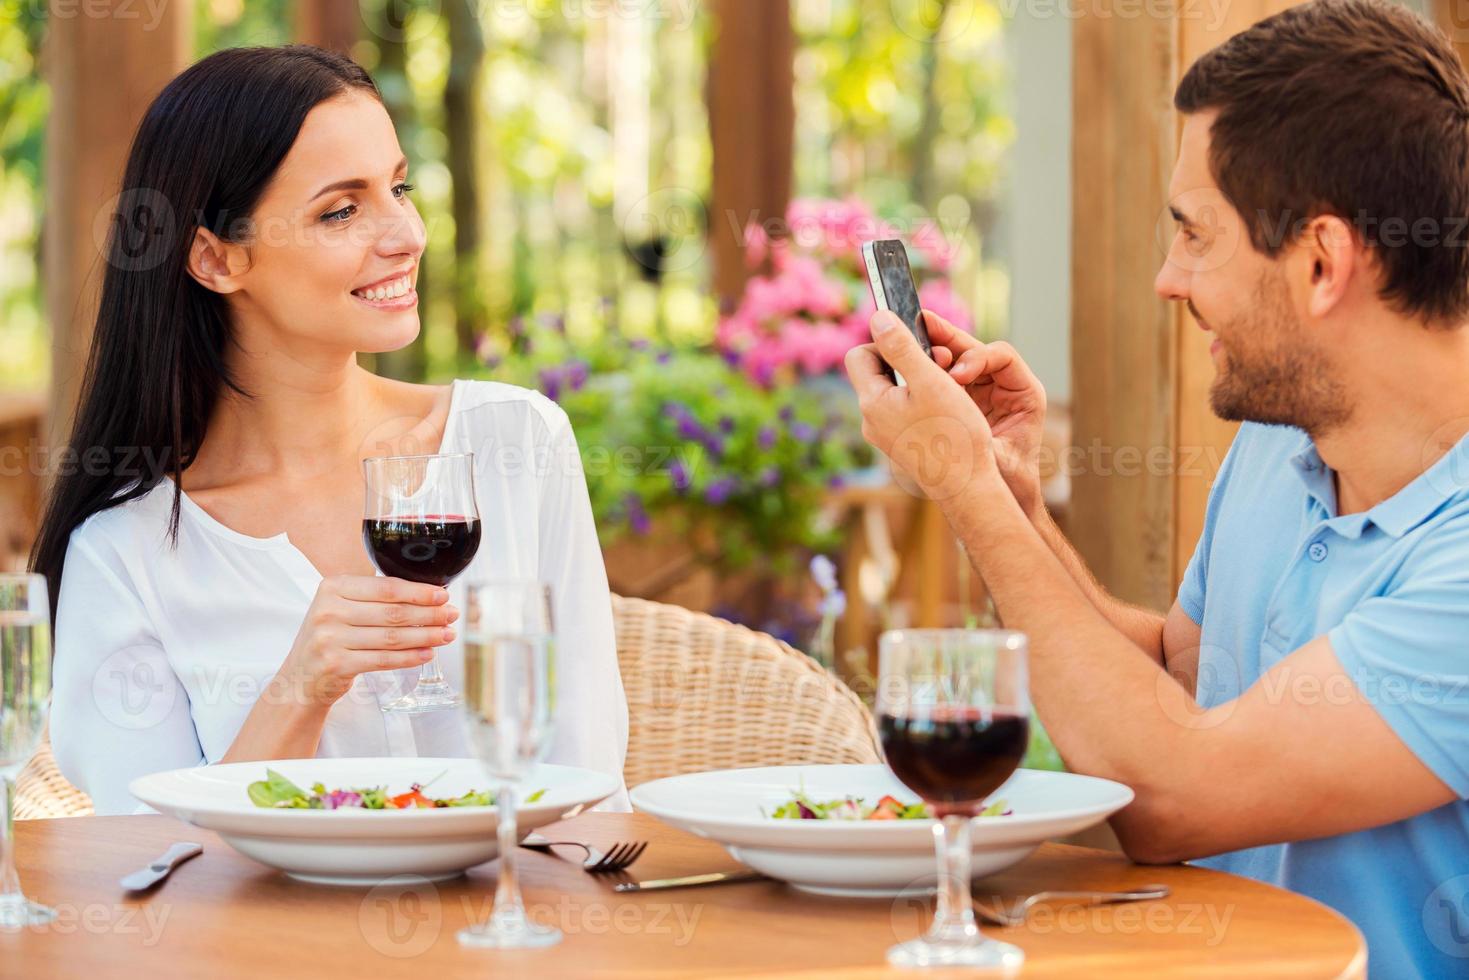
[[359, 623]]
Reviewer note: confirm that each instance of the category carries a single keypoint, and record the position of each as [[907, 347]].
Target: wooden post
[[105, 61], [1123, 350], [332, 24], [462, 109], [1148, 442], [1452, 17], [752, 118]]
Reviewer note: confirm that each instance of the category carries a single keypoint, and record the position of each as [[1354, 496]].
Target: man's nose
[[1171, 281]]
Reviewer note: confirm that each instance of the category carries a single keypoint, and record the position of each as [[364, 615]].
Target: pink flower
[[938, 296], [757, 245], [831, 227], [800, 316], [937, 251]]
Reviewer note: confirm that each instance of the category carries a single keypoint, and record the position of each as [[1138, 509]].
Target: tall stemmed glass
[[509, 697], [421, 523], [25, 690], [954, 717]]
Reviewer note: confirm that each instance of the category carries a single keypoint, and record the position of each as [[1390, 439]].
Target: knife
[[717, 878], [161, 867]]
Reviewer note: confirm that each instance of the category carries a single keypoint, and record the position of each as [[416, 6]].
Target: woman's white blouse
[[161, 652]]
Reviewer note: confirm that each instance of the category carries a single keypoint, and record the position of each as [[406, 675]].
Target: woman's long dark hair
[[206, 150]]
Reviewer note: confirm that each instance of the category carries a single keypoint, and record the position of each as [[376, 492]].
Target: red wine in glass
[[954, 756], [420, 522], [431, 548], [954, 718]]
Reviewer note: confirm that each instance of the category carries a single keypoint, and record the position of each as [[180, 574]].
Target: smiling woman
[[218, 604]]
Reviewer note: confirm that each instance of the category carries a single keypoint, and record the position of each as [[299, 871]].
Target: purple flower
[[767, 437], [720, 490], [551, 381], [726, 424], [731, 357], [802, 432], [638, 343], [576, 374], [787, 413], [689, 428], [664, 356], [833, 604], [824, 571], [637, 516], [678, 474], [836, 481], [769, 477]]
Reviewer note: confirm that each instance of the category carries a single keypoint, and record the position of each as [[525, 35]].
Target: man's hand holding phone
[[1008, 394], [968, 406]]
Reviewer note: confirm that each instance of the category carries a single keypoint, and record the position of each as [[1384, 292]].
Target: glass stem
[[509, 907], [953, 919], [431, 672], [10, 893]]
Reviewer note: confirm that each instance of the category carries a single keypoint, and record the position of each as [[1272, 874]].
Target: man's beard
[[1273, 372]]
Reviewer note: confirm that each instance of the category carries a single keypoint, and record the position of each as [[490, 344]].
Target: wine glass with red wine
[[421, 523], [954, 719]]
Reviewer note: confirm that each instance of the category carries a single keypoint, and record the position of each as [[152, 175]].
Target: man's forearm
[[1109, 707], [1142, 626]]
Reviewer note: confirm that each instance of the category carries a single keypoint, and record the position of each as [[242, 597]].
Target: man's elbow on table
[[1155, 829]]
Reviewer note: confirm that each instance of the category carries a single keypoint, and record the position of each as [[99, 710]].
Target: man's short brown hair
[[1356, 108]]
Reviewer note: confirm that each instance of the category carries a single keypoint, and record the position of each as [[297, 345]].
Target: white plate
[[364, 847], [867, 857]]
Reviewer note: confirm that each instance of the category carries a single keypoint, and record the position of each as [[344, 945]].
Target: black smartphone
[[892, 289]]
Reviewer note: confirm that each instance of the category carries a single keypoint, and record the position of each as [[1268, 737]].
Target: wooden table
[[224, 916]]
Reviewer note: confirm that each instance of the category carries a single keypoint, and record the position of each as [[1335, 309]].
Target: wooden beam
[[332, 24], [1123, 346], [1141, 368], [752, 119], [1452, 17], [1203, 438], [104, 66]]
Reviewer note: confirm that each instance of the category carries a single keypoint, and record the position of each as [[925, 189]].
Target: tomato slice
[[411, 798], [887, 808]]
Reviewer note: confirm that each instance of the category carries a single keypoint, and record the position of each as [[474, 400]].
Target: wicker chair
[[41, 790], [702, 693]]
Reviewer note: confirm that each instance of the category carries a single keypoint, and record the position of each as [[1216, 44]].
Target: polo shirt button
[[1317, 551]]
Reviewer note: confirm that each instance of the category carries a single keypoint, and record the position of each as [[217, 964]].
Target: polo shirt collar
[[1316, 475], [1445, 480]]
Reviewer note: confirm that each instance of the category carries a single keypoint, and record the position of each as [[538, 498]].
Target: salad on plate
[[277, 792], [802, 807]]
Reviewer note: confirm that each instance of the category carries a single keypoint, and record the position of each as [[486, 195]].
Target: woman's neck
[[305, 416]]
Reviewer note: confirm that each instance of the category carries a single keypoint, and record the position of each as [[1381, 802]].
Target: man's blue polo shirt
[[1275, 568]]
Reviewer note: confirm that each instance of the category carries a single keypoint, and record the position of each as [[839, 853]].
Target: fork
[[619, 857], [1142, 893]]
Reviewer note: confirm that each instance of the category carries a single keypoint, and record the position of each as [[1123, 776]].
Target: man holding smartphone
[[1301, 714]]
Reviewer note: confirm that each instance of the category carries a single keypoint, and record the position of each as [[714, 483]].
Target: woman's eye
[[342, 214]]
